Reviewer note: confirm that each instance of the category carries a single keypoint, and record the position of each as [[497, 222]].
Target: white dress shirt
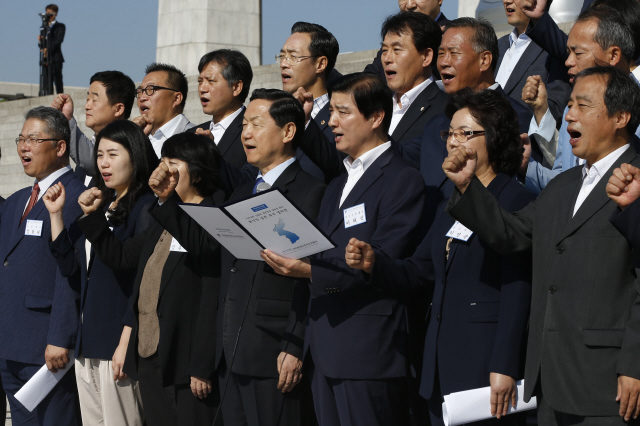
[[356, 168], [592, 175], [272, 175], [636, 73], [406, 100], [218, 129], [165, 132], [45, 183], [517, 46]]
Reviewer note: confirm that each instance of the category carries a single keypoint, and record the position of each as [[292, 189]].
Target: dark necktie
[[260, 186], [32, 201]]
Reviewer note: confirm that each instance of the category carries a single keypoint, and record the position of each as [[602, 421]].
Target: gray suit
[[584, 326]]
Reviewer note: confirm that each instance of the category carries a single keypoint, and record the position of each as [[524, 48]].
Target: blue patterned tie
[[260, 185]]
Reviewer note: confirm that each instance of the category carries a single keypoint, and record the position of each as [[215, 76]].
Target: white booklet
[[267, 220], [41, 383], [474, 405]]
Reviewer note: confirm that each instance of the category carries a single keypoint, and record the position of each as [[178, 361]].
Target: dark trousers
[[255, 401], [547, 416], [56, 77], [60, 407], [360, 402], [175, 404]]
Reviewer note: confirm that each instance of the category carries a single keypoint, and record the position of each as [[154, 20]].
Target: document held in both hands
[[41, 383], [473, 405], [266, 220]]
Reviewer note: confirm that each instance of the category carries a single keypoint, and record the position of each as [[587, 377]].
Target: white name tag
[[175, 246], [33, 228], [459, 232], [354, 216]]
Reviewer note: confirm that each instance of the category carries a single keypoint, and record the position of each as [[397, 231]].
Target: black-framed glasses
[[291, 59], [32, 140], [150, 90], [460, 135]]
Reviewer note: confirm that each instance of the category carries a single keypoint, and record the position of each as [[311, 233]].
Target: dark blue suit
[[322, 120], [38, 307], [105, 302], [356, 334], [480, 309]]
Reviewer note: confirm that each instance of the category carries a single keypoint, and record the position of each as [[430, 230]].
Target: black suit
[[270, 311], [585, 310], [187, 316], [230, 145], [54, 54]]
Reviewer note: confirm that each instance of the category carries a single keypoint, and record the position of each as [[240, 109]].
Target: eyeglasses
[[292, 59], [150, 90], [460, 135], [32, 140]]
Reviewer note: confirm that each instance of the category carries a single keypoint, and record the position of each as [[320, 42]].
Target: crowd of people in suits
[[495, 186]]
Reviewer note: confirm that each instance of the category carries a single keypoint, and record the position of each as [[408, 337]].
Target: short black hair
[[202, 157], [621, 94], [234, 67], [628, 12], [143, 162], [53, 7], [369, 93], [175, 78], [495, 114], [56, 124], [323, 43], [484, 36], [119, 89], [426, 33], [284, 109]]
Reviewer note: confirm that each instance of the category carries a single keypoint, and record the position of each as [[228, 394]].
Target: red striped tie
[[32, 201]]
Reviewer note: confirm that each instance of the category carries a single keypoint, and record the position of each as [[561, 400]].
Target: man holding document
[[261, 315], [356, 339]]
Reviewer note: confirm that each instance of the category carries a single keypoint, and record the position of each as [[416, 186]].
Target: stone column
[[187, 29]]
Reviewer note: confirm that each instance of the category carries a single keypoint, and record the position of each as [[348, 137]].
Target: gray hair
[[612, 31], [56, 124], [484, 36]]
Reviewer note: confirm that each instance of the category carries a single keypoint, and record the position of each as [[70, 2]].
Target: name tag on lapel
[[175, 246], [459, 232], [354, 216], [33, 228]]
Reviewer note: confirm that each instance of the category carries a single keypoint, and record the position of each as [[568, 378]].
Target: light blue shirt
[[539, 176], [272, 175]]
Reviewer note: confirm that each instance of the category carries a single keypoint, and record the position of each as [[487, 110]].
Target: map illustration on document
[[279, 228]]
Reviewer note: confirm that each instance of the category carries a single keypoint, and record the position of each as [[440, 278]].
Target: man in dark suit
[[307, 62], [356, 338], [520, 57], [223, 85], [110, 97], [53, 50], [584, 339], [38, 307], [431, 8]]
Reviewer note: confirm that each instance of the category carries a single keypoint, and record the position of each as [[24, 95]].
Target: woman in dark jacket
[[124, 161], [171, 351], [478, 317]]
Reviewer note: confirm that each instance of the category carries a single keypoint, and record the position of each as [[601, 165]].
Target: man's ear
[[61, 148], [237, 88], [178, 99], [288, 132], [485, 60], [321, 64], [378, 118], [427, 58], [118, 110], [622, 119], [614, 55]]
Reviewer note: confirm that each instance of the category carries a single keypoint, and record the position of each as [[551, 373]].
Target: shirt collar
[[494, 86], [513, 37], [45, 183], [601, 166], [226, 122], [407, 99], [272, 175], [366, 159], [168, 128], [438, 17]]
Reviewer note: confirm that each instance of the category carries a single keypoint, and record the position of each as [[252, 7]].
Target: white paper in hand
[[43, 382], [474, 405]]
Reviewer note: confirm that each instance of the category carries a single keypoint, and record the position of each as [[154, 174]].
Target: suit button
[[233, 269], [560, 250], [552, 289], [6, 263], [438, 317]]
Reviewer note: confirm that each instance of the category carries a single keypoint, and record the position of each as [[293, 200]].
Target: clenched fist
[[63, 103], [460, 167], [163, 181], [534, 94], [360, 255], [145, 123], [624, 185], [90, 200]]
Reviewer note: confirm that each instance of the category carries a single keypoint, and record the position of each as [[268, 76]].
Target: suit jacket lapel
[[169, 268], [322, 118], [526, 60], [231, 134], [596, 199], [419, 106], [16, 227]]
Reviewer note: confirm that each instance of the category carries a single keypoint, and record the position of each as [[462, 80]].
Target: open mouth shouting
[[286, 78], [106, 176], [575, 136], [25, 160], [144, 109], [204, 101]]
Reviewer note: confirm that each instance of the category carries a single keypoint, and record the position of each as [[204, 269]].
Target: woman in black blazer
[[171, 351], [124, 161], [478, 318]]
